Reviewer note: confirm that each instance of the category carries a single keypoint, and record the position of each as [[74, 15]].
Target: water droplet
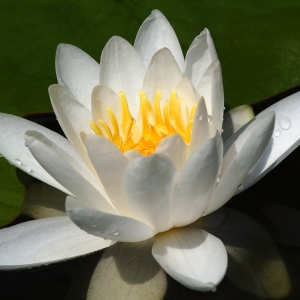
[[241, 186], [25, 144], [284, 123], [94, 225], [46, 132], [1, 155], [222, 130], [224, 108], [17, 162], [101, 231], [115, 232], [209, 118], [28, 169], [218, 179], [277, 132], [74, 87], [199, 117]]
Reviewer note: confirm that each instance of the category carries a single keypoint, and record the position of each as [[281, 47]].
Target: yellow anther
[[107, 129], [96, 128], [155, 125]]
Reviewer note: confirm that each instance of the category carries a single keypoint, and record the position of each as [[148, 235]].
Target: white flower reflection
[[145, 164]]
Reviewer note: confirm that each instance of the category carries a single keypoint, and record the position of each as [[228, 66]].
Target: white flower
[[151, 163]]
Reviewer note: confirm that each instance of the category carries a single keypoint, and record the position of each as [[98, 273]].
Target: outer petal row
[[111, 226], [45, 240]]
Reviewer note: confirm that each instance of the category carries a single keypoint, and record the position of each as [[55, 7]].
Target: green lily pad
[[257, 42]]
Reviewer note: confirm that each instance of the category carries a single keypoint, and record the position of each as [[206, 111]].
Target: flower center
[[153, 123]]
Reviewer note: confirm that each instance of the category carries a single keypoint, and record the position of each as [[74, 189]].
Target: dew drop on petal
[[74, 87], [241, 186], [94, 225], [276, 132], [1, 155], [285, 123], [222, 130], [218, 179], [199, 117], [209, 118], [46, 132], [25, 144], [17, 162], [115, 232]]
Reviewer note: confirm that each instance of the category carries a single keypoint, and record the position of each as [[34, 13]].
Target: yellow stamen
[[155, 125]]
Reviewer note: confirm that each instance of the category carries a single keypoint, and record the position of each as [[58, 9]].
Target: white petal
[[201, 127], [196, 182], [102, 97], [211, 88], [78, 71], [192, 256], [122, 69], [128, 271], [111, 226], [186, 93], [286, 137], [43, 201], [148, 185], [235, 119], [241, 158], [163, 74], [175, 148], [132, 154], [73, 118], [110, 164], [67, 171], [45, 241], [13, 148], [157, 33], [199, 56]]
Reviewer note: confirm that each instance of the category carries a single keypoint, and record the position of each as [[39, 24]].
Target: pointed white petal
[[110, 226], [43, 201], [103, 96], [156, 33], [235, 119], [286, 137], [211, 88], [78, 71], [122, 69], [110, 164], [175, 148], [73, 118], [128, 271], [45, 241], [132, 154], [186, 93], [13, 147], [192, 256], [163, 74], [148, 186], [201, 127], [241, 158], [196, 182], [67, 171], [199, 56]]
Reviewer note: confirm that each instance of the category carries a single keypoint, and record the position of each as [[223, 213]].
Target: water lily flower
[[144, 157]]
